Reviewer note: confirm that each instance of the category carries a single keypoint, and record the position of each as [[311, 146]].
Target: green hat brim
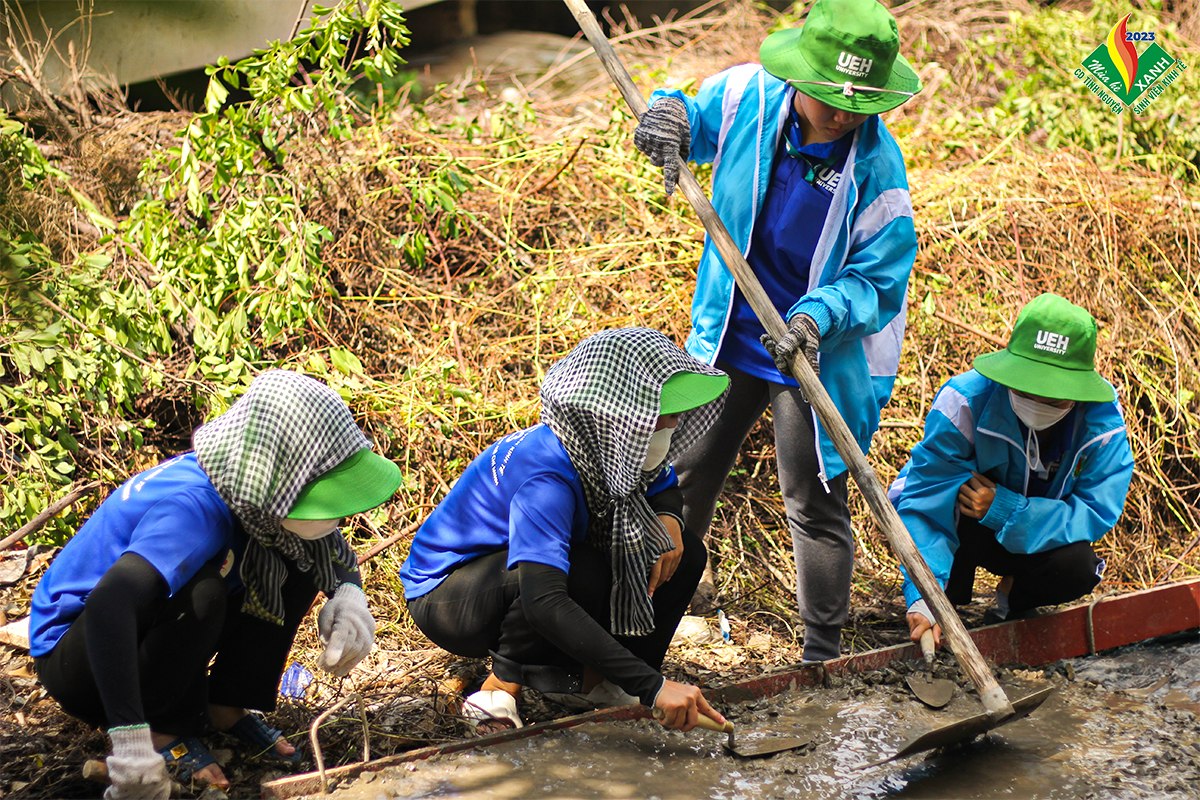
[[684, 391], [361, 482], [781, 56], [1044, 380]]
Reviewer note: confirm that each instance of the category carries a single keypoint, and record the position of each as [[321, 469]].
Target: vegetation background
[[431, 257]]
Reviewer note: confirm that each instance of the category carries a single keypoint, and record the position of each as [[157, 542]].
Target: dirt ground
[[1120, 725], [408, 690]]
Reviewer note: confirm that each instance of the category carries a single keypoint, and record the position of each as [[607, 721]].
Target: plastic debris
[[295, 681]]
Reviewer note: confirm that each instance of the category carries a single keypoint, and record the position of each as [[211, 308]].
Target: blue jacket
[[859, 281], [972, 427]]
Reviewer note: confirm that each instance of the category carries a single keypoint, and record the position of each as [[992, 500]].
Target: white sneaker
[[485, 706]]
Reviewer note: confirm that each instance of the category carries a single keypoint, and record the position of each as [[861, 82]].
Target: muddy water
[[1119, 726]]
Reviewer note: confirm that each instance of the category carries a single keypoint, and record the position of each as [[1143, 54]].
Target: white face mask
[[660, 443], [1036, 415], [311, 529]]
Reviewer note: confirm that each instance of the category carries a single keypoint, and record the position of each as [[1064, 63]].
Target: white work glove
[[136, 769], [347, 628]]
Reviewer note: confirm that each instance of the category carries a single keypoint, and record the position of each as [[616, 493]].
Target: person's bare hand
[[918, 624], [679, 706], [668, 562], [976, 495]]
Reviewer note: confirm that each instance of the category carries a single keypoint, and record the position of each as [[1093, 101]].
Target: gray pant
[[819, 520]]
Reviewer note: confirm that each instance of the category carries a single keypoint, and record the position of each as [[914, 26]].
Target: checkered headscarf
[[286, 430], [602, 402]]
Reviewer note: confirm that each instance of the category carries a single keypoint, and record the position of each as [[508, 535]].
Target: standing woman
[[219, 551], [814, 191], [561, 552]]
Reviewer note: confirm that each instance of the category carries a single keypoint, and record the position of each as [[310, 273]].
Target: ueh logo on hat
[[1052, 342], [854, 66]]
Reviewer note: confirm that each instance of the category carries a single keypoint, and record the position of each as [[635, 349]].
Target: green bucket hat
[[1051, 353], [361, 482], [847, 55], [684, 391]]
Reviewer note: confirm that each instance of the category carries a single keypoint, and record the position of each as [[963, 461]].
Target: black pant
[[477, 612], [201, 620], [1039, 579]]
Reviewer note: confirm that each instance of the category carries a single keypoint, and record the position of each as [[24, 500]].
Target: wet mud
[[1123, 725]]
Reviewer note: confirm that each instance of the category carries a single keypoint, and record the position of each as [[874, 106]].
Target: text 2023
[[1139, 36]]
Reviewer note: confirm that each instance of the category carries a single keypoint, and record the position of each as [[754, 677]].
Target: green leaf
[[345, 362]]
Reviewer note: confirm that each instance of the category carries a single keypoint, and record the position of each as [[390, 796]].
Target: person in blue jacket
[[1025, 463], [172, 610], [813, 189], [560, 551]]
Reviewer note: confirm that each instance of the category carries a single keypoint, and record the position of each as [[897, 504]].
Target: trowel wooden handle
[[95, 770], [702, 722], [712, 725], [927, 646]]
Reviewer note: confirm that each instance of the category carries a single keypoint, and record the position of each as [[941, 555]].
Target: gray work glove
[[347, 628], [136, 769], [803, 335], [664, 133]]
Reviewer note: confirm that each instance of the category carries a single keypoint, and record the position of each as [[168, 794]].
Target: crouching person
[[560, 550], [1025, 463], [212, 557]]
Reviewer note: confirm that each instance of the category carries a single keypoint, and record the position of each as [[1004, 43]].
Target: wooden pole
[[50, 511], [993, 697]]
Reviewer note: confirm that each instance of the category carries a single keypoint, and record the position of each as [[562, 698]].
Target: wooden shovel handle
[[927, 646], [712, 725], [702, 722], [968, 655]]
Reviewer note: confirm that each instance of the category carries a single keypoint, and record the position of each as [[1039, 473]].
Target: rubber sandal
[[254, 731], [491, 706], [186, 756]]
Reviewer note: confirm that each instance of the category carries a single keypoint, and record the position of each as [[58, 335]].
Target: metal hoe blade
[[967, 729]]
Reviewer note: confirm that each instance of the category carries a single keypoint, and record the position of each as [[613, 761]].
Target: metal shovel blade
[[968, 728], [756, 748], [933, 692], [768, 746]]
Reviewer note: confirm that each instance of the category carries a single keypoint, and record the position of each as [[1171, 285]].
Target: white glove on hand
[[347, 628], [136, 769]]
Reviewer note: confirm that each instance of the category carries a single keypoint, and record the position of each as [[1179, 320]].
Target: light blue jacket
[[972, 427], [859, 281]]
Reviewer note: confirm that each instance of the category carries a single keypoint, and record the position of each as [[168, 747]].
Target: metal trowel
[[933, 692], [758, 748]]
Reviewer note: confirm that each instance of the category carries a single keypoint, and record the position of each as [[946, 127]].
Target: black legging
[[1039, 579], [178, 640], [478, 611]]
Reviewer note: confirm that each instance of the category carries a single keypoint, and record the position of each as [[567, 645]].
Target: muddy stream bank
[[1122, 725]]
